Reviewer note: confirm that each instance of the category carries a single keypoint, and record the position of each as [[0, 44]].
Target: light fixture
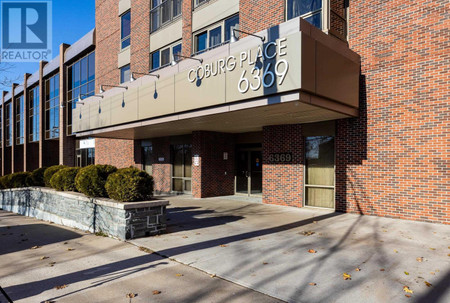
[[80, 97], [107, 85], [149, 74], [175, 62], [235, 38]]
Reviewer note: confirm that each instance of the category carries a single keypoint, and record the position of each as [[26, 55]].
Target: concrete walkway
[[89, 268], [300, 255]]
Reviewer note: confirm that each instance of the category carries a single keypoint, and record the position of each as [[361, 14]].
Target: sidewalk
[[89, 268], [266, 248]]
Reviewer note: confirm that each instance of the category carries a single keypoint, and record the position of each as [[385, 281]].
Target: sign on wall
[[88, 143], [280, 157]]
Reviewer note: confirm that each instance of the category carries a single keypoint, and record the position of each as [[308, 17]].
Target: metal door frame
[[249, 150]]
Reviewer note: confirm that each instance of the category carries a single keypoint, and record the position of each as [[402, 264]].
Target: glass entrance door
[[181, 168], [248, 172]]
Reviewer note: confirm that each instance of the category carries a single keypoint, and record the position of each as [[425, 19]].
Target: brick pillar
[[162, 167], [13, 130], [186, 12], [26, 115], [41, 114], [3, 132], [283, 182], [66, 143], [214, 176], [140, 38]]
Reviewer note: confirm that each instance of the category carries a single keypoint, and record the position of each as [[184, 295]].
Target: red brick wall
[[283, 182], [186, 8], [107, 42], [117, 152], [140, 37], [209, 178], [394, 160], [161, 169], [257, 15]]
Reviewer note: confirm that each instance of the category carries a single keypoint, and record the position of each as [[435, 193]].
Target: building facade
[[317, 103]]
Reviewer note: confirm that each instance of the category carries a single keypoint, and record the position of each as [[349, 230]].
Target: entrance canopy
[[296, 75]]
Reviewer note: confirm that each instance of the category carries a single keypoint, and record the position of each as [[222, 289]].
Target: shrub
[[37, 177], [129, 185], [49, 172], [17, 180], [64, 179], [91, 180], [3, 182]]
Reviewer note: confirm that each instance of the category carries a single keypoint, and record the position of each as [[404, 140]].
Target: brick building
[[315, 103]]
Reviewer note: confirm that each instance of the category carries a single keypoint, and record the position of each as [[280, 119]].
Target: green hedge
[[64, 179], [129, 185], [49, 172], [37, 176], [17, 180], [91, 180]]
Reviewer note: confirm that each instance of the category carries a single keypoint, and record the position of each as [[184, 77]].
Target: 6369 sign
[[280, 157]]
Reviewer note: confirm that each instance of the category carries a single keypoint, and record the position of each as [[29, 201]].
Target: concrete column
[[13, 128], [66, 143], [3, 132], [41, 113], [26, 116]]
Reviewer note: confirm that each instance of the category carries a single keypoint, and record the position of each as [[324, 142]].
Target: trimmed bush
[[37, 177], [2, 182], [64, 179], [129, 185], [91, 180], [49, 172], [17, 180]]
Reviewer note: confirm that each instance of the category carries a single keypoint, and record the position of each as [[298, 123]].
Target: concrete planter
[[123, 220]]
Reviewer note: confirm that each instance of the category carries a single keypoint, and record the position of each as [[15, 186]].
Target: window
[[8, 124], [216, 35], [20, 120], [81, 80], [52, 107], [125, 29], [147, 156], [125, 74], [199, 2], [163, 57], [164, 12], [310, 10], [84, 156], [33, 106], [181, 167]]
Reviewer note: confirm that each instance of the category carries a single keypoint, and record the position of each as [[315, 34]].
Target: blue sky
[[72, 19]]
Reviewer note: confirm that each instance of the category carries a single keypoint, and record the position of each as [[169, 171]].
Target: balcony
[[164, 13]]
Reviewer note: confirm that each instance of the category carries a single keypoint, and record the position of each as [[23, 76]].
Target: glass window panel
[[56, 79], [91, 67], [215, 36], [187, 161], [77, 76], [176, 50], [230, 23], [200, 42], [297, 8], [176, 8], [155, 60], [125, 74], [320, 197], [177, 185], [320, 160], [165, 56], [155, 3], [126, 25], [165, 12], [84, 70], [315, 20], [177, 161]]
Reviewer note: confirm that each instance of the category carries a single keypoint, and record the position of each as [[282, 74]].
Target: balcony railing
[[164, 13]]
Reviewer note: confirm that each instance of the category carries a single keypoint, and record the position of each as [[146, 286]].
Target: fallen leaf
[[407, 290], [316, 222], [223, 245], [179, 275], [198, 234], [35, 247], [313, 284], [408, 296], [432, 273], [131, 295], [312, 251], [432, 248], [428, 284], [384, 230], [145, 249], [437, 270], [213, 275], [346, 276], [448, 255], [185, 237], [419, 259], [396, 251], [382, 269], [70, 249], [52, 263], [66, 243], [156, 292], [406, 273], [265, 263], [308, 233], [61, 286], [357, 269], [44, 257]]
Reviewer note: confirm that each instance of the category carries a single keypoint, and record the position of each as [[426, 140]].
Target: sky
[[71, 20]]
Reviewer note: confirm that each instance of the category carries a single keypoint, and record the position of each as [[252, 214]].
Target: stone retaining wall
[[125, 220]]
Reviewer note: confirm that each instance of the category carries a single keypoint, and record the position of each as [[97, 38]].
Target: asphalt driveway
[[301, 255]]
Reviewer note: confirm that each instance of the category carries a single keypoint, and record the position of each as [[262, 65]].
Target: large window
[[199, 2], [8, 124], [20, 120], [125, 29], [52, 107], [215, 35], [181, 167], [33, 106], [164, 56], [310, 10], [81, 80], [125, 74], [85, 153], [163, 12]]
